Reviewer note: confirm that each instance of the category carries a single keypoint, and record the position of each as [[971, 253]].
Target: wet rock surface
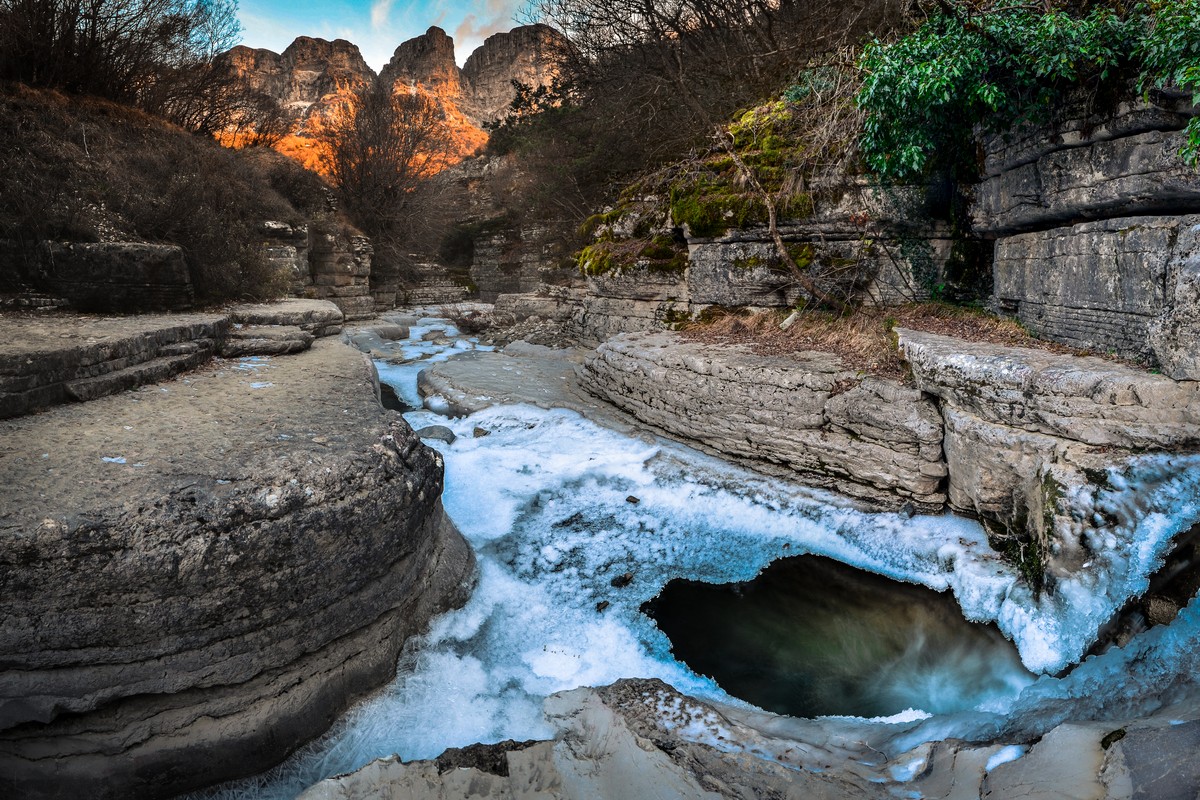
[[641, 738], [199, 576]]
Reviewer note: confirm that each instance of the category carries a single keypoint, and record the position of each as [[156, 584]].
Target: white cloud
[[380, 11]]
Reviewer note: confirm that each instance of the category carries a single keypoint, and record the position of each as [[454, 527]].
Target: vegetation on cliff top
[[1006, 63]]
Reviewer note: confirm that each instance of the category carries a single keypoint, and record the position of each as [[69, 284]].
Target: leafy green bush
[[925, 94]]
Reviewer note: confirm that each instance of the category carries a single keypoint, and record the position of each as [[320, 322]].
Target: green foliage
[[925, 94], [656, 254], [1170, 56]]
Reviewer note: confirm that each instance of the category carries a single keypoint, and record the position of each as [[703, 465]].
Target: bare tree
[[381, 147], [159, 55]]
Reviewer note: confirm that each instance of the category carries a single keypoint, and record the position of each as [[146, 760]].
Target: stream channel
[[577, 527]]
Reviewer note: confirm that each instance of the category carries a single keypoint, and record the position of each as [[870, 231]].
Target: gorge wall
[[313, 76], [1094, 222]]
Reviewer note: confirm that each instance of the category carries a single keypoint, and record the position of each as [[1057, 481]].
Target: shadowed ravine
[[812, 637]]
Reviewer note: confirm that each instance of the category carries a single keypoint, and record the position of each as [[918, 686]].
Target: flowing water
[[811, 637], [576, 527]]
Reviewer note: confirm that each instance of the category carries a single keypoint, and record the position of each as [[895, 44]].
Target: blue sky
[[376, 26]]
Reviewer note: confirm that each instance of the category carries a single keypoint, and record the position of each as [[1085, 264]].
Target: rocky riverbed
[[576, 524], [200, 575]]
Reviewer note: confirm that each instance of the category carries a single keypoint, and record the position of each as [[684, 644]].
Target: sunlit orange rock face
[[313, 78]]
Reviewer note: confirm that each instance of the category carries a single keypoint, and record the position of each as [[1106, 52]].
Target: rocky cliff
[[1094, 222], [527, 54], [312, 75], [308, 77]]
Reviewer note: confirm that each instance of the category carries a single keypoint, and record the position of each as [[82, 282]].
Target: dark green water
[[811, 636]]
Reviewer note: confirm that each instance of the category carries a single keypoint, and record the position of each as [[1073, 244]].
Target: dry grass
[[864, 340], [83, 169]]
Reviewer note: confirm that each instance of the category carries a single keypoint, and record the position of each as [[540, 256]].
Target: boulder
[[201, 577]]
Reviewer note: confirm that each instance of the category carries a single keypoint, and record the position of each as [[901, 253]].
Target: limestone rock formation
[[326, 261], [117, 276], [1126, 282], [1104, 285], [528, 54], [44, 365], [308, 77], [313, 75], [1140, 174], [1086, 400], [1035, 441], [426, 61], [200, 577], [804, 416]]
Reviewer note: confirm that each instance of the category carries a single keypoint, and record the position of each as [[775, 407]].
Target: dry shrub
[[865, 339], [467, 320], [82, 169]]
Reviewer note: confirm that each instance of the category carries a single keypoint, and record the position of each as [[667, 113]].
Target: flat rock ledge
[[803, 415], [60, 358], [1033, 438], [643, 739], [199, 576], [1088, 400]]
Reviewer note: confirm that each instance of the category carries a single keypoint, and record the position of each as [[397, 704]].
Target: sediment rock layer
[[805, 415], [200, 576], [1128, 285]]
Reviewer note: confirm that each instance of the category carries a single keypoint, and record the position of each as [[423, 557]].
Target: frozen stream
[[556, 507]]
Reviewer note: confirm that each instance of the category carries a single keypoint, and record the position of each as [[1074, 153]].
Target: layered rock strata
[[515, 260], [1030, 436], [47, 361], [805, 416], [327, 262], [1095, 224], [57, 359], [308, 78], [1126, 285], [199, 578], [117, 276]]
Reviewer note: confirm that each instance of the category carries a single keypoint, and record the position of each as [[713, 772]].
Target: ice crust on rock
[[542, 499]]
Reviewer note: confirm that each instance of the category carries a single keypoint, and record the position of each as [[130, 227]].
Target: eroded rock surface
[[1044, 447], [55, 359], [805, 415], [1127, 285], [199, 577], [1140, 174], [1086, 400], [641, 738]]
